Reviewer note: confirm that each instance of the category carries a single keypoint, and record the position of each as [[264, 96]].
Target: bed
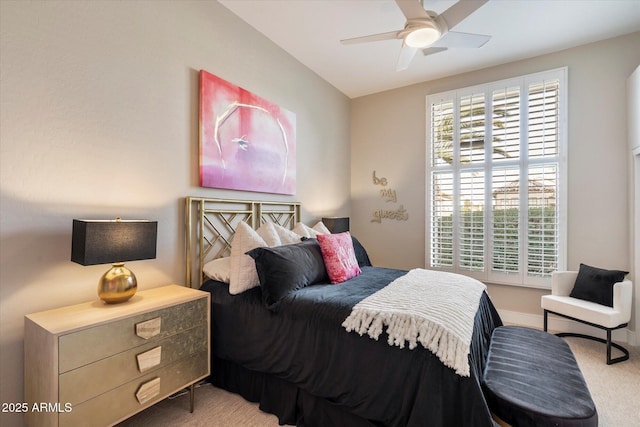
[[291, 352]]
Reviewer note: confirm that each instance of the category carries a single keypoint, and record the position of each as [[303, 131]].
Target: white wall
[[388, 136], [99, 118], [633, 123]]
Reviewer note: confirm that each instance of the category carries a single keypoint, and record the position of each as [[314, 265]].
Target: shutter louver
[[471, 224], [542, 221], [505, 219], [442, 133], [442, 220], [472, 117], [506, 123], [543, 119]]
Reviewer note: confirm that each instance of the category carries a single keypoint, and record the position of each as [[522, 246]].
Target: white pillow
[[321, 228], [303, 230], [312, 232], [285, 235], [269, 234], [219, 269], [243, 274]]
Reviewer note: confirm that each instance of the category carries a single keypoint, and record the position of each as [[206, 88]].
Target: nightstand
[[96, 364]]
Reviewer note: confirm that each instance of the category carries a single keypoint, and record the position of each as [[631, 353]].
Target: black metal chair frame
[[608, 341]]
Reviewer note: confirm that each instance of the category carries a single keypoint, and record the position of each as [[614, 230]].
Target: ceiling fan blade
[[371, 38], [412, 9], [456, 39], [432, 50], [406, 55], [459, 11]]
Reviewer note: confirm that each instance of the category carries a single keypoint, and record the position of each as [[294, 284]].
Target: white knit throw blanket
[[435, 308]]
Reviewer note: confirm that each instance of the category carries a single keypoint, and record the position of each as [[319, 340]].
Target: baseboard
[[559, 324], [633, 338]]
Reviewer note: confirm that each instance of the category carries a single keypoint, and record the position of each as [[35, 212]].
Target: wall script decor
[[389, 195], [246, 142]]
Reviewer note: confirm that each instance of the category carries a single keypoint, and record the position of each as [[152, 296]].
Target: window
[[496, 172]]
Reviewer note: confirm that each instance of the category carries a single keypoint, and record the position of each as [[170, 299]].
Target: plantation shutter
[[496, 173], [505, 183], [442, 220], [543, 231], [470, 194], [441, 196], [471, 221], [506, 221]]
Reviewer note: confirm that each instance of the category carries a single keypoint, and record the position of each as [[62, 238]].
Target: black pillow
[[283, 269], [596, 284], [361, 253]]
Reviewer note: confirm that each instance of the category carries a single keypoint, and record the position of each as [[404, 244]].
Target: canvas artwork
[[246, 142]]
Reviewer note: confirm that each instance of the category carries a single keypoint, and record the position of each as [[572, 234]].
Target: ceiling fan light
[[422, 37]]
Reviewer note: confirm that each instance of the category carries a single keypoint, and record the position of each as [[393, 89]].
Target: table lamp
[[114, 242]]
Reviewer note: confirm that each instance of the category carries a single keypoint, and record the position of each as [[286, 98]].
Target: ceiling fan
[[427, 31]]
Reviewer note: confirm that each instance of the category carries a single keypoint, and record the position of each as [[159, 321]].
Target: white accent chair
[[590, 313]]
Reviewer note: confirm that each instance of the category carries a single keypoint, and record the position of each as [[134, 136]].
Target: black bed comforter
[[304, 344]]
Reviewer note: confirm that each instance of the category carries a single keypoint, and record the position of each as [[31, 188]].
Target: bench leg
[[546, 315], [192, 393]]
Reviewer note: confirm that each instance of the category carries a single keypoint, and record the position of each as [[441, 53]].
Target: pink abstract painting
[[246, 142]]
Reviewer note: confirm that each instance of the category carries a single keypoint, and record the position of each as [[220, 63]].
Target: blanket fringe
[[433, 309], [402, 329]]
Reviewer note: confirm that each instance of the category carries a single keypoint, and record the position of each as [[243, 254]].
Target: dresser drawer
[[88, 381], [110, 361], [89, 345], [117, 404]]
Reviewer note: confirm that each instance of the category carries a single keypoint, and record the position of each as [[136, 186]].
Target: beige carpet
[[214, 407], [615, 390]]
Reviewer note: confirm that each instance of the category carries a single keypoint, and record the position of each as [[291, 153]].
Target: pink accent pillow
[[339, 256]]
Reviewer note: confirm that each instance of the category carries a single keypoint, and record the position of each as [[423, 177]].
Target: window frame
[[523, 164]]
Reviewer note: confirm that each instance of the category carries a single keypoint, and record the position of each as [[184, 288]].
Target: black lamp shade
[[336, 225], [106, 242]]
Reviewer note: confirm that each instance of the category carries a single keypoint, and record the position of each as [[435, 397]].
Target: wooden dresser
[[96, 364]]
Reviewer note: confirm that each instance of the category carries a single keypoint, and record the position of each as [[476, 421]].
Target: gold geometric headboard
[[210, 225]]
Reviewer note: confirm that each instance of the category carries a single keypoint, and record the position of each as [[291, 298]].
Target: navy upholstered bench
[[532, 379]]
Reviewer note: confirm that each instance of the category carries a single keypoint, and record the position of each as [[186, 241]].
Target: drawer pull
[[149, 359], [149, 328], [148, 391]]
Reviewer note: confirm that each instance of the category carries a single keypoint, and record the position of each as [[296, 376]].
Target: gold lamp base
[[117, 285]]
